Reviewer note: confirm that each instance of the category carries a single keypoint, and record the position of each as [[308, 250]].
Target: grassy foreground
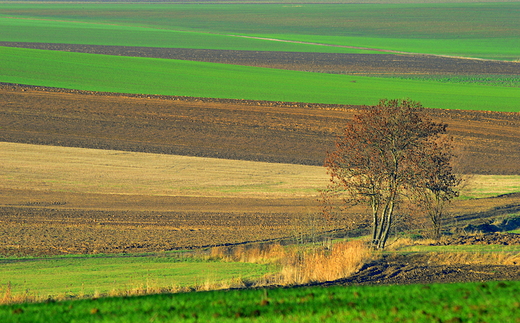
[[463, 302], [200, 79], [91, 276], [87, 276]]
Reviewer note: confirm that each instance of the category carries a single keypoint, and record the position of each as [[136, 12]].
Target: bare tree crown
[[391, 151]]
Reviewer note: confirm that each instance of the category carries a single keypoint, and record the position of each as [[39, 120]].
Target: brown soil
[[416, 269], [422, 269], [480, 239], [37, 223], [55, 223], [314, 62]]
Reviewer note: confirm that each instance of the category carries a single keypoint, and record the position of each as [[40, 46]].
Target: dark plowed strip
[[315, 62], [416, 269], [285, 132]]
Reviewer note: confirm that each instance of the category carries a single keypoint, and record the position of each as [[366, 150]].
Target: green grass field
[[462, 302], [457, 29], [187, 78], [84, 276], [485, 30]]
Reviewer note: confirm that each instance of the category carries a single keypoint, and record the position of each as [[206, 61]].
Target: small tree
[[437, 184], [391, 151]]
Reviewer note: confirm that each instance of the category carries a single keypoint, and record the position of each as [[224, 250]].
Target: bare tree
[[391, 151]]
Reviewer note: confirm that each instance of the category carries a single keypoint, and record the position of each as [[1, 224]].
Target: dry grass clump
[[148, 289], [474, 258], [300, 264], [318, 265], [10, 298], [258, 254], [156, 289]]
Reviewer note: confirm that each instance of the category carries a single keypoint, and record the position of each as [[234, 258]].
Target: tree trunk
[[386, 232], [375, 220]]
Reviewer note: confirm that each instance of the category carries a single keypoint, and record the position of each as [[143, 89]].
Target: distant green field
[[201, 79], [82, 276], [484, 30], [29, 30], [462, 302]]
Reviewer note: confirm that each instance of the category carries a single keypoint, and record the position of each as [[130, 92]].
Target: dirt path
[[329, 45]]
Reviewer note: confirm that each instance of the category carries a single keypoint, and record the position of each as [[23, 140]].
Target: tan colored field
[[57, 200], [80, 170], [94, 171]]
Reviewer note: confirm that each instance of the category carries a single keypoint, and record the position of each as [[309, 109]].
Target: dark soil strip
[[315, 62], [414, 269], [286, 132]]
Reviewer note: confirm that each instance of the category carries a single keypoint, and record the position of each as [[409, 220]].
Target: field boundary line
[[362, 48]]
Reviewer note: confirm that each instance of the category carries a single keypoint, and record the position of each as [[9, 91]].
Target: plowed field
[[59, 222], [235, 129]]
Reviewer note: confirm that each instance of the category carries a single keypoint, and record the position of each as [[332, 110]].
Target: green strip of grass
[[484, 186], [200, 79], [87, 275], [69, 32], [468, 302]]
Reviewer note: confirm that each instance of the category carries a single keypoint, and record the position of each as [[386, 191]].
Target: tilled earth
[[487, 239], [46, 231], [37, 223], [422, 269], [416, 269], [284, 132], [313, 62]]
